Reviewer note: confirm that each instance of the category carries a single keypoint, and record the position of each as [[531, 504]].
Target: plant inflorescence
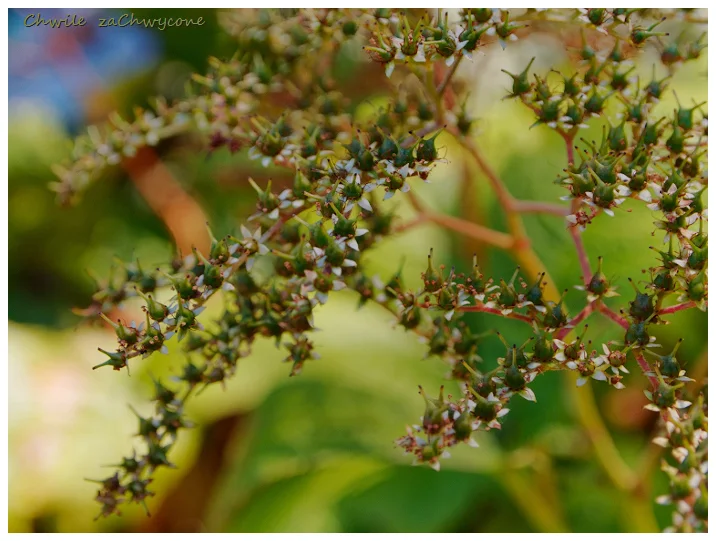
[[277, 101]]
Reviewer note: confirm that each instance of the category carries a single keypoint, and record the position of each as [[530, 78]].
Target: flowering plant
[[277, 101]]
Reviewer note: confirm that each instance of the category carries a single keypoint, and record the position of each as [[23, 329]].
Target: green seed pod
[[162, 394], [349, 28], [571, 86], [696, 287], [434, 409], [520, 83], [388, 149], [411, 317], [426, 151], [595, 102], [556, 315], [484, 411], [117, 360], [637, 334], [125, 334], [153, 338], [596, 16], [185, 287], [639, 34], [433, 280], [192, 374], [543, 351], [514, 378], [620, 80], [698, 257], [685, 117], [668, 365], [642, 307], [598, 284], [638, 180], [656, 88], [671, 54], [651, 134], [617, 137], [534, 293], [404, 157], [675, 142], [129, 464], [695, 48], [663, 280], [483, 384]]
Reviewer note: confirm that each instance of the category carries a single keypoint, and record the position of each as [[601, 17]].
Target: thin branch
[[469, 229], [495, 311], [506, 200], [576, 320], [604, 309], [446, 82], [579, 245], [540, 207], [472, 230], [677, 308], [644, 365]]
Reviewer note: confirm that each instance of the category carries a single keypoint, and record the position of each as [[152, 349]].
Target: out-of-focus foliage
[[313, 453]]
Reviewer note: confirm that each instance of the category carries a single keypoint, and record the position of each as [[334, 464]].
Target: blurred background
[[313, 453]]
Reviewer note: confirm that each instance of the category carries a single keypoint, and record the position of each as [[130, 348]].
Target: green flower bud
[[463, 426], [125, 334], [696, 287], [433, 280], [598, 284], [668, 365], [484, 411], [642, 307], [596, 16], [520, 84], [639, 34], [349, 28], [434, 409], [426, 149], [117, 360], [617, 137], [637, 334], [514, 378]]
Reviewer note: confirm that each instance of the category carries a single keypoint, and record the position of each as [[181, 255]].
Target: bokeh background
[[272, 453]]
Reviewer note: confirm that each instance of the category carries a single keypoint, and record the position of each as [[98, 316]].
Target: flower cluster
[[277, 101]]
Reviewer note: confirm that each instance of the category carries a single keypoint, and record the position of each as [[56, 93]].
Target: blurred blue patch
[[61, 67]]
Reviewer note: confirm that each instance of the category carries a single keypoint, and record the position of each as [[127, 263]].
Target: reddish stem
[[678, 307], [488, 310], [568, 141], [644, 365], [576, 320], [604, 309], [579, 245], [541, 207]]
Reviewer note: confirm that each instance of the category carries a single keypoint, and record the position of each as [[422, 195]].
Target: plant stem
[[469, 229], [621, 476], [531, 502], [446, 82], [677, 308], [576, 320], [579, 245], [521, 250], [644, 365], [604, 309], [488, 310], [540, 207], [583, 398]]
